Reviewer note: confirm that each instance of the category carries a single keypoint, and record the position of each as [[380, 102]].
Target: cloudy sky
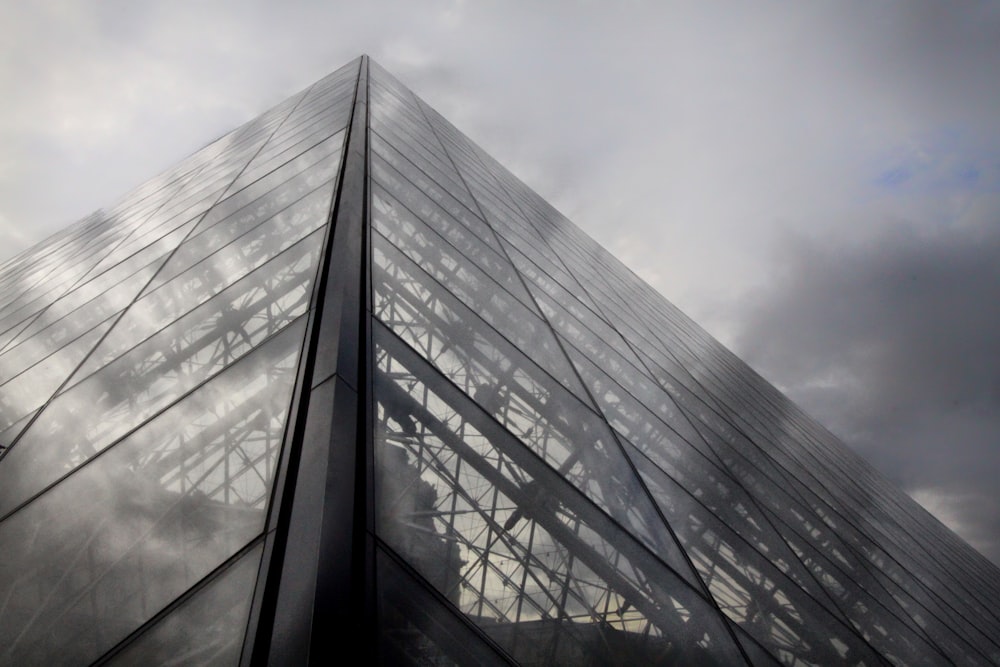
[[818, 184]]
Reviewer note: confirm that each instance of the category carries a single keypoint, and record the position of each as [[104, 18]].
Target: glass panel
[[411, 135], [450, 267], [428, 316], [570, 439], [29, 390], [269, 161], [404, 159], [61, 331], [842, 566], [8, 335], [621, 389], [206, 629], [755, 595], [507, 541], [402, 184], [758, 654], [281, 186], [417, 629], [391, 218], [310, 124], [10, 433], [553, 284], [101, 552], [160, 224]]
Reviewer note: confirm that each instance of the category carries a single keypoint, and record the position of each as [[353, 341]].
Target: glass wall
[[544, 462]]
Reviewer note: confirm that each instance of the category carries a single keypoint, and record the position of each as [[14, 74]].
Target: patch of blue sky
[[943, 161], [894, 177]]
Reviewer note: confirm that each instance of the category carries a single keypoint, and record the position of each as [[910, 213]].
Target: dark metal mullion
[[311, 594], [345, 591], [257, 639]]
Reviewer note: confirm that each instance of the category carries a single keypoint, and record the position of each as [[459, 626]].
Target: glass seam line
[[572, 488], [207, 299], [751, 497], [836, 612], [178, 183], [423, 366], [581, 323], [172, 323], [725, 358], [569, 485], [571, 274], [81, 279], [446, 605], [781, 470]]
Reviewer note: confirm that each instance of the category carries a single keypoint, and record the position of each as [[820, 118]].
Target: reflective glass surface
[[164, 506], [146, 373], [564, 469], [514, 546], [810, 556], [206, 629]]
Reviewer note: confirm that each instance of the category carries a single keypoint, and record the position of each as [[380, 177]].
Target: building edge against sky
[[340, 379]]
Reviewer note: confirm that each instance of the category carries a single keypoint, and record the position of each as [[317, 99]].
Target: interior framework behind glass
[[341, 379]]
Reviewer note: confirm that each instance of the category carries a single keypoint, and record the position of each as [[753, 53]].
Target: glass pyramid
[[339, 387]]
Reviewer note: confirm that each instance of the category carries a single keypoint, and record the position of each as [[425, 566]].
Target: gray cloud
[[894, 342]]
